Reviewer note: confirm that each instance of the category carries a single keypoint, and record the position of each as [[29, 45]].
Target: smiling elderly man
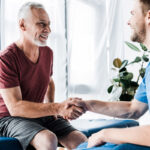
[[25, 79]]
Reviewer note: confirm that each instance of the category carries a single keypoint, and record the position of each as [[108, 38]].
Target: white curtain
[[115, 30], [87, 51]]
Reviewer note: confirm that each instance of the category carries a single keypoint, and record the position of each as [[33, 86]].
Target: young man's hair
[[26, 8], [145, 4]]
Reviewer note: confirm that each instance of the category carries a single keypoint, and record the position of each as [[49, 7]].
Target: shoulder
[[47, 48], [47, 51], [8, 53]]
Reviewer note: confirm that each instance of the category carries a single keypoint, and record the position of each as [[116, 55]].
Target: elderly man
[[25, 79], [140, 24]]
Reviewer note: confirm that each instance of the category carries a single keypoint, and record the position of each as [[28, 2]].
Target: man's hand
[[71, 108], [78, 102], [96, 139]]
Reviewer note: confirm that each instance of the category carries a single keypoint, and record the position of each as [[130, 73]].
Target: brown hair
[[145, 4]]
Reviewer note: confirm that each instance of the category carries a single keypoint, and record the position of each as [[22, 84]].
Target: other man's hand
[[69, 111], [96, 139], [78, 102]]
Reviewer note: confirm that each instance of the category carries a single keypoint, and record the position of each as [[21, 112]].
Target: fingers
[[77, 102], [78, 109], [72, 108], [95, 140], [74, 112], [73, 98], [73, 101]]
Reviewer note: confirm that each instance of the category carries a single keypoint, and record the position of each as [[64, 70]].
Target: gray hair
[[26, 8]]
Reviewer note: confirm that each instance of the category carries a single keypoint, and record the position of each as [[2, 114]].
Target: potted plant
[[124, 79]]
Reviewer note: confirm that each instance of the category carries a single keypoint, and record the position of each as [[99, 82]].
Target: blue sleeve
[[141, 94]]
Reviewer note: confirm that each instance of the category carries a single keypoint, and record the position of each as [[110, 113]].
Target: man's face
[[38, 27], [137, 23]]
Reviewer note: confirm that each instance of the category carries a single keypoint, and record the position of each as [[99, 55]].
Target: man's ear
[[148, 17], [22, 24]]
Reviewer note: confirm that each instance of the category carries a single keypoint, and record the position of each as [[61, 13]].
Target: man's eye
[[42, 24]]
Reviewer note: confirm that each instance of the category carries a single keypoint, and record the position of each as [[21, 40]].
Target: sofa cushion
[[89, 127]]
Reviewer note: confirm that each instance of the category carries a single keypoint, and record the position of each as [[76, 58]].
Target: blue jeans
[[110, 146]]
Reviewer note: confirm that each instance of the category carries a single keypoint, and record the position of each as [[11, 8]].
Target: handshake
[[72, 108]]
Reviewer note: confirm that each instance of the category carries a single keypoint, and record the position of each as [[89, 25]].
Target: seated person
[[25, 76]]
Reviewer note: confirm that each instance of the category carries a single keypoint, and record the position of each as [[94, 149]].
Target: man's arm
[[50, 93], [23, 108], [134, 135], [120, 109]]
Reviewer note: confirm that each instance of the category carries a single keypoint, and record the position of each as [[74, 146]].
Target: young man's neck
[[147, 40]]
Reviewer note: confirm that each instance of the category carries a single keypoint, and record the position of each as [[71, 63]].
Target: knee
[[45, 140], [75, 138], [49, 137]]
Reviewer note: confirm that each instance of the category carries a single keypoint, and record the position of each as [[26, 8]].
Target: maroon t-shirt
[[17, 70]]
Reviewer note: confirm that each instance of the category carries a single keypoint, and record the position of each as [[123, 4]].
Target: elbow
[[13, 112], [135, 115], [15, 109]]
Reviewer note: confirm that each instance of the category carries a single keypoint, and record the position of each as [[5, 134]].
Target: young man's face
[[38, 27], [137, 23]]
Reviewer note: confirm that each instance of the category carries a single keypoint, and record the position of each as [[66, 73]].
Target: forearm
[[134, 135], [34, 110], [114, 109], [50, 93]]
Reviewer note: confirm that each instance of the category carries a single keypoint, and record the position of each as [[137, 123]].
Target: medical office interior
[[86, 36]]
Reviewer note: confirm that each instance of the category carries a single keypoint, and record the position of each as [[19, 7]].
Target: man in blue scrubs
[[140, 24]]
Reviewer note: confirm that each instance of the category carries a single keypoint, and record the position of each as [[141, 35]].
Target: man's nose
[[47, 29], [129, 23]]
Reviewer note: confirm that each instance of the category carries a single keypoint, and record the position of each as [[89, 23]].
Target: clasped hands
[[72, 108]]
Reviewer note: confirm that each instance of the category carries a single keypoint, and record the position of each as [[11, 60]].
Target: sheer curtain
[[87, 51]]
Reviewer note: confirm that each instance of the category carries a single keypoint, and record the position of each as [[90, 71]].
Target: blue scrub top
[[143, 91]]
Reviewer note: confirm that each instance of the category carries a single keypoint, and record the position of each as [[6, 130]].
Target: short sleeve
[[51, 64], [8, 72], [141, 94]]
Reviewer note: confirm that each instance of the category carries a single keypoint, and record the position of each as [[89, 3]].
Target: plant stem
[[139, 72]]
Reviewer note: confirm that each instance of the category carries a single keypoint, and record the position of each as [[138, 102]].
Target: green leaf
[[117, 80], [128, 77], [122, 74], [142, 72], [122, 70], [109, 90], [145, 58], [124, 64], [133, 47], [137, 59], [124, 83], [144, 48]]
